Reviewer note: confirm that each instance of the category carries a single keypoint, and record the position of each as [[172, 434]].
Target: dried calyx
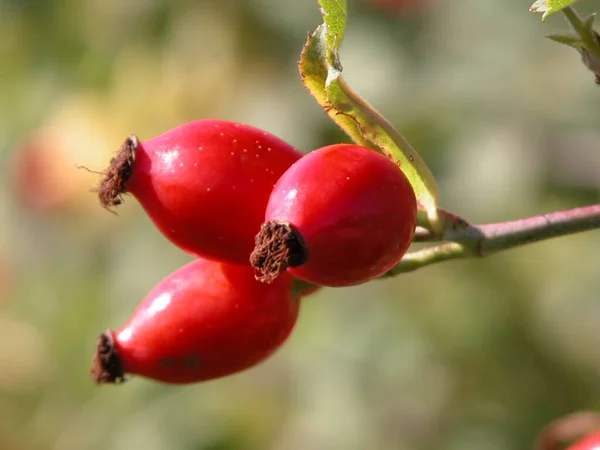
[[278, 246], [106, 363], [114, 184]]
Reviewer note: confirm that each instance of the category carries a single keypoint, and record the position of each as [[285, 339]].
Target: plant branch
[[466, 240], [431, 255], [585, 33], [502, 236]]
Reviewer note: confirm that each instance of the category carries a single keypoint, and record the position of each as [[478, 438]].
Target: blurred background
[[476, 354]]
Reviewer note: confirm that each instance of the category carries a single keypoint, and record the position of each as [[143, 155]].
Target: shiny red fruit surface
[[204, 184], [352, 211], [204, 321], [591, 442]]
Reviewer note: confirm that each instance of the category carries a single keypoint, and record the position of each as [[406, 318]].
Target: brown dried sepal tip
[[278, 246], [114, 184], [106, 363]]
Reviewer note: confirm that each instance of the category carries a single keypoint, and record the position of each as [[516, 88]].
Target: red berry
[[591, 442], [204, 321], [204, 184], [340, 216]]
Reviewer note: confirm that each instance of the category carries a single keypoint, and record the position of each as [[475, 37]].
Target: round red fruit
[[340, 216], [204, 184], [204, 321], [591, 442]]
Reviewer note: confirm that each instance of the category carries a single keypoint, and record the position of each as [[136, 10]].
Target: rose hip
[[204, 184], [591, 442], [204, 321], [340, 216]]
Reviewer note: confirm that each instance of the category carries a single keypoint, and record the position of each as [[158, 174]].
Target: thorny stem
[[464, 240]]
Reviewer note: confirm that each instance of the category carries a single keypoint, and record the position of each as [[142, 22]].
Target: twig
[[465, 240], [586, 35]]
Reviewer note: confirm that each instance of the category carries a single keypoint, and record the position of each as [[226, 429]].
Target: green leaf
[[571, 40], [587, 43], [547, 7], [321, 70], [334, 15]]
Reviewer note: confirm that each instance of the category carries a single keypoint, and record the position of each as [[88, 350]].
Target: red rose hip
[[340, 216], [591, 442], [204, 184], [204, 321]]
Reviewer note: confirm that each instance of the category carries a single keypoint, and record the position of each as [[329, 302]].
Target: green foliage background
[[465, 355]]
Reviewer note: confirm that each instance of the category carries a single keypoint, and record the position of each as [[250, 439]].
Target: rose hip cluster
[[257, 215]]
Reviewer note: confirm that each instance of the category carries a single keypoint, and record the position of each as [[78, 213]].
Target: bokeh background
[[476, 354]]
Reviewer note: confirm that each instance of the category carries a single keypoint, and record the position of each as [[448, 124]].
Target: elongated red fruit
[[204, 321], [204, 184], [340, 216]]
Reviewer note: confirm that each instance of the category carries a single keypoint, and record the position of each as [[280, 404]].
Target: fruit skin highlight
[[204, 184], [340, 216], [204, 321], [590, 442]]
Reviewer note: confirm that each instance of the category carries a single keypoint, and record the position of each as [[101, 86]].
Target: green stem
[[586, 35], [480, 240], [431, 255]]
